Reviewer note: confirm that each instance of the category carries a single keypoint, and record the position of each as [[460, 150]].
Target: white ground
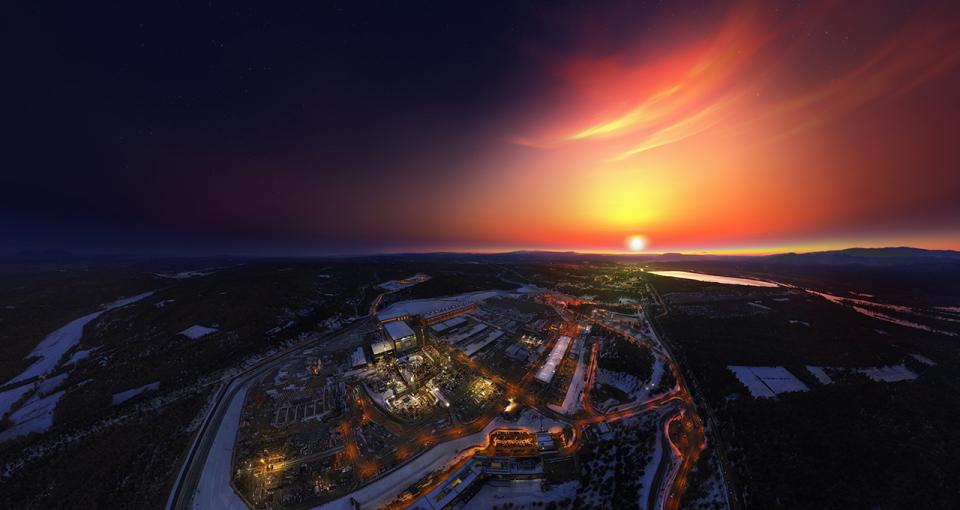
[[700, 277], [34, 416], [545, 374], [79, 355], [214, 490], [820, 374], [767, 382], [571, 401], [395, 285], [520, 493], [50, 384], [56, 344], [425, 306], [923, 359], [901, 322], [182, 275], [631, 385], [859, 305], [894, 373], [9, 397], [650, 471], [196, 331], [123, 396]]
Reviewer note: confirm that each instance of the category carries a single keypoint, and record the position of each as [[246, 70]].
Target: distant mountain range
[[862, 256], [901, 255], [869, 256]]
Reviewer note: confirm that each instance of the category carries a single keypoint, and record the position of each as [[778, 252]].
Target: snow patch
[[520, 492], [34, 416], [895, 373], [123, 396], [196, 331], [58, 343], [79, 355], [820, 374], [10, 397], [214, 490], [767, 382]]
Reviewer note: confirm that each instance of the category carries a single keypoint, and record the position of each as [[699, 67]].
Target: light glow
[[637, 243]]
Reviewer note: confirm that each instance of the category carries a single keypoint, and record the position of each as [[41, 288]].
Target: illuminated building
[[403, 337], [464, 483]]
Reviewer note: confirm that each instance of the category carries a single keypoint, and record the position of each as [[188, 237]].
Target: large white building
[[397, 337]]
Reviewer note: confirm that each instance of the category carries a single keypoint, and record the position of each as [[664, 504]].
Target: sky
[[355, 127]]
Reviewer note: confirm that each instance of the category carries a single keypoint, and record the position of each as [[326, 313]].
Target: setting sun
[[636, 243]]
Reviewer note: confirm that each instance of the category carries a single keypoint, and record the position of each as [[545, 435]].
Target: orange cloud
[[717, 85]]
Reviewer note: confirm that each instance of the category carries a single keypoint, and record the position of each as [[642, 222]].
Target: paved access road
[[185, 486]]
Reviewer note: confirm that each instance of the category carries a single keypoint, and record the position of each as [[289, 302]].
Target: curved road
[[185, 486], [670, 479]]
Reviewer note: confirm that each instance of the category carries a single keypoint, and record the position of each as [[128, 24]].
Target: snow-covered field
[[395, 285], [78, 356], [867, 308], [214, 490], [51, 384], [197, 331], [183, 275], [10, 397], [521, 494], [820, 374], [35, 416], [629, 384], [428, 306], [58, 343], [895, 373], [923, 359], [767, 382], [123, 396], [901, 322], [571, 401], [650, 472]]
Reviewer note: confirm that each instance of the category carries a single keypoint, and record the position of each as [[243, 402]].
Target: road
[[726, 475], [185, 486], [670, 477]]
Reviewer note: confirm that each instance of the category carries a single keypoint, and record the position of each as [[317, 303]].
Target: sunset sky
[[729, 127]]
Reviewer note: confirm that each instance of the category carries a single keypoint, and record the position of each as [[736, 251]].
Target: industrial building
[[397, 338], [463, 484]]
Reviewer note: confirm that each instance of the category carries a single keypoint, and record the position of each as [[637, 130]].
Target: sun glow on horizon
[[637, 243]]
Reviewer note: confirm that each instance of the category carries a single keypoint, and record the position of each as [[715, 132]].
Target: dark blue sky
[[131, 127], [323, 127]]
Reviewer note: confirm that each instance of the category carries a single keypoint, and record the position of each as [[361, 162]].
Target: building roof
[[398, 330], [545, 374], [358, 358], [381, 346]]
